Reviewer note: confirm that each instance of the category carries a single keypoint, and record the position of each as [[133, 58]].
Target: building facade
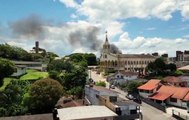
[[126, 62]]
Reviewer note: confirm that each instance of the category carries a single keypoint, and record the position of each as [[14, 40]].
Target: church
[[123, 62]]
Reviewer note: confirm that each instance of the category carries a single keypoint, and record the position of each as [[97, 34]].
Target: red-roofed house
[[149, 88], [175, 81], [177, 96]]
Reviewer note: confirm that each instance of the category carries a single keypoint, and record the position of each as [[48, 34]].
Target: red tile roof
[[172, 79], [150, 85], [160, 96], [175, 92], [186, 98]]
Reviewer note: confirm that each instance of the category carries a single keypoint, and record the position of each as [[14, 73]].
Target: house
[[85, 113], [97, 95], [149, 88], [92, 94], [177, 96], [175, 81], [20, 70], [31, 65], [122, 77]]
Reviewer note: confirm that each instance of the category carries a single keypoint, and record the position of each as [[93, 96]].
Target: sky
[[70, 26]]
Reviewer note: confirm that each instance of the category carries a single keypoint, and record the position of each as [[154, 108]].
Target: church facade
[[123, 62]]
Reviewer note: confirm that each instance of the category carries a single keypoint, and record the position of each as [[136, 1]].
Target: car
[[130, 97], [112, 86]]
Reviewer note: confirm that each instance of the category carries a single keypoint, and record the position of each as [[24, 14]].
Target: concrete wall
[[144, 94], [179, 103], [19, 71]]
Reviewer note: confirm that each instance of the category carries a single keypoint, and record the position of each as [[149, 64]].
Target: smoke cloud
[[114, 49], [29, 27], [86, 37]]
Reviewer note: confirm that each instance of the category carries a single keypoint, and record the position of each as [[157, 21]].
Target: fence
[[156, 105], [179, 116]]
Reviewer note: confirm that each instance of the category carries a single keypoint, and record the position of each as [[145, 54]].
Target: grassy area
[[34, 75], [6, 81]]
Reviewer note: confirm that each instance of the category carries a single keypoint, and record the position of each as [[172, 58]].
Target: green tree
[[132, 86], [43, 95], [14, 53], [172, 67], [101, 83], [91, 59], [6, 69], [11, 98], [60, 66]]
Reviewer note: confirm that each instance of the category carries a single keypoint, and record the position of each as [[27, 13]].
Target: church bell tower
[[106, 46]]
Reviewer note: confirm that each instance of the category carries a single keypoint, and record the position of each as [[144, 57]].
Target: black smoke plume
[[114, 49], [86, 37], [29, 27]]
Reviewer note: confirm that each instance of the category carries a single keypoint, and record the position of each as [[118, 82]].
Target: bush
[[101, 83]]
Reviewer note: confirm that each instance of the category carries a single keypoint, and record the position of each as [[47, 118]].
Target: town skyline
[[68, 26]]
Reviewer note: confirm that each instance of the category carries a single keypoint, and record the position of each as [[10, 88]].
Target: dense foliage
[[14, 53], [6, 69], [43, 95], [89, 58], [160, 67], [131, 86], [71, 73], [11, 99]]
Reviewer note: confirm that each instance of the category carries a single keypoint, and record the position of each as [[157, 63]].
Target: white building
[[122, 77], [31, 65], [20, 70], [86, 113], [92, 93], [149, 88]]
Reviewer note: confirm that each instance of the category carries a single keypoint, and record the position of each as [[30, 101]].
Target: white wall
[[144, 94], [19, 71], [179, 103]]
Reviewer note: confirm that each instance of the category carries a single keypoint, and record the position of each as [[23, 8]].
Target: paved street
[[149, 112]]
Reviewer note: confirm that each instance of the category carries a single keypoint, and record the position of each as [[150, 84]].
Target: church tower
[[106, 46]]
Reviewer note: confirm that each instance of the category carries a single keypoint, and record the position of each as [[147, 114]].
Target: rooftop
[[84, 112], [102, 89], [136, 55], [184, 68], [173, 79], [150, 85], [30, 117], [125, 103], [127, 73], [175, 92]]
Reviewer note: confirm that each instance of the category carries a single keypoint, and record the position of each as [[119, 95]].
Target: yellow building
[[127, 62]]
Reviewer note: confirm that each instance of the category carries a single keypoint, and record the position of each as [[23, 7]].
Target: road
[[149, 112]]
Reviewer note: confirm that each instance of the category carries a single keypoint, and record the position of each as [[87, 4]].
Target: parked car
[[130, 97], [112, 86]]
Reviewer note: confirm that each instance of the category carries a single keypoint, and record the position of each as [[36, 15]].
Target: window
[[173, 100], [105, 56]]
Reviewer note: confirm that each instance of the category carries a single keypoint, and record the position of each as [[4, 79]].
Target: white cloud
[[70, 3], [112, 9], [151, 28], [74, 16], [150, 45]]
